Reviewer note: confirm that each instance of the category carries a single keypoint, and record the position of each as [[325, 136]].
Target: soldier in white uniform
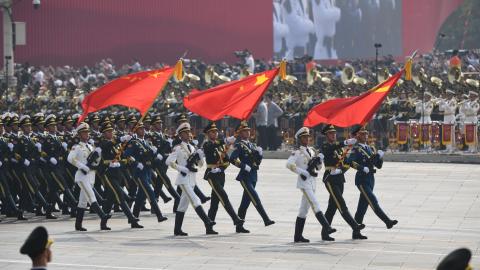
[[184, 158], [471, 116], [86, 159], [448, 106], [305, 162], [425, 109]]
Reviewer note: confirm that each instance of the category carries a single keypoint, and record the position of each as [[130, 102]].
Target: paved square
[[437, 205]]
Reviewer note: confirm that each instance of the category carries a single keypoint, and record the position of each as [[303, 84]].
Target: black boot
[[156, 210], [236, 219], [358, 236], [388, 222], [164, 196], [79, 220], [136, 210], [178, 224], [266, 220], [323, 221], [239, 228], [203, 216], [48, 212], [133, 221], [299, 225], [20, 215], [200, 195], [349, 219], [104, 217]]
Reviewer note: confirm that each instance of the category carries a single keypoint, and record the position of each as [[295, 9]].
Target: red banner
[[402, 132], [470, 134], [447, 133], [426, 132]]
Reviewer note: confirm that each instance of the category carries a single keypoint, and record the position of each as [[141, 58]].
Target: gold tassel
[[178, 73], [283, 69], [408, 70]]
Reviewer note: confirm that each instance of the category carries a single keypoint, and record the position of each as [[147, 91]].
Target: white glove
[[84, 167], [303, 172], [247, 168], [195, 142], [201, 153], [182, 169], [65, 145], [231, 139], [125, 138], [132, 159], [114, 164], [53, 161], [350, 141], [260, 150], [91, 141], [10, 146], [170, 141], [159, 157], [140, 166], [215, 170], [366, 170], [1, 164], [14, 160], [337, 171], [42, 159], [321, 156], [154, 149], [98, 150], [26, 162], [380, 153], [39, 146]]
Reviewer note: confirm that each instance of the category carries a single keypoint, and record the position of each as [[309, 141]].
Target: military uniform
[[86, 158], [334, 181], [183, 159], [304, 161], [113, 177], [247, 156], [365, 159], [217, 162], [143, 153]]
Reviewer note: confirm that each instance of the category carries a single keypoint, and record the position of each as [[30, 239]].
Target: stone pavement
[[437, 205]]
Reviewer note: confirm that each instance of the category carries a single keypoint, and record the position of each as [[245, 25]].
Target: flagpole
[[178, 66]]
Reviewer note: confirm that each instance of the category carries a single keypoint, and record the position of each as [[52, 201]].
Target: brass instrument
[[348, 76], [472, 82], [315, 75], [437, 81], [210, 75], [383, 75], [454, 75]]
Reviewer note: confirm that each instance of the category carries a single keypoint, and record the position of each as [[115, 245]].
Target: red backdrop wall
[[80, 32]]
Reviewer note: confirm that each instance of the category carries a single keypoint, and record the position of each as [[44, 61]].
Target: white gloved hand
[[337, 171], [159, 157], [380, 153], [14, 160], [170, 141], [10, 146], [231, 139], [200, 153], [366, 170], [115, 164], [140, 166], [132, 159], [350, 141], [65, 145], [154, 149], [42, 159], [260, 150], [84, 167], [247, 168], [125, 138], [195, 142], [98, 150], [39, 146], [91, 141], [1, 164], [26, 162], [321, 156], [182, 169], [303, 172], [215, 170], [53, 161]]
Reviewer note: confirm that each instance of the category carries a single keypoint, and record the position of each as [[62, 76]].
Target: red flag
[[345, 112], [136, 90], [237, 99]]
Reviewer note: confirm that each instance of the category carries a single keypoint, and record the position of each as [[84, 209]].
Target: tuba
[[454, 74], [348, 73], [437, 81]]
